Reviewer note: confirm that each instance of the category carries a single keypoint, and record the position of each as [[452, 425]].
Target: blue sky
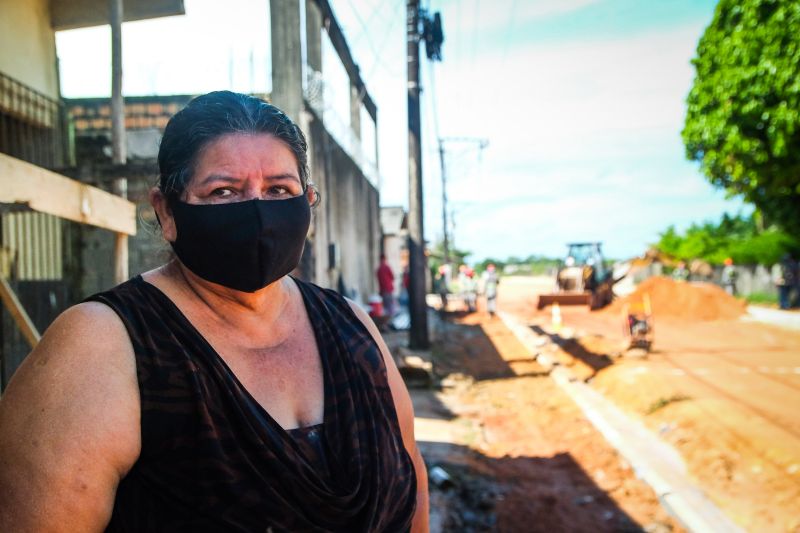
[[582, 102]]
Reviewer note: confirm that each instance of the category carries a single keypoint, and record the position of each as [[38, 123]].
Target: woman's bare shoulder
[[69, 423], [87, 336]]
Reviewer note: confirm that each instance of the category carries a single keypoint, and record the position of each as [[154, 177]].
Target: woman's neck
[[241, 311]]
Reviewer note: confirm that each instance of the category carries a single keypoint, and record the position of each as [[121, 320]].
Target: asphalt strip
[[654, 461]]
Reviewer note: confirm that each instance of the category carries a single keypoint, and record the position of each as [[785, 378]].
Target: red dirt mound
[[677, 299]]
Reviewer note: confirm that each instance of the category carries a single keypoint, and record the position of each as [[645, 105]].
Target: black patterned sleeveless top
[[213, 459]]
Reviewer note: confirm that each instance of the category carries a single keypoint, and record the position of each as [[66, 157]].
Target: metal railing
[[344, 135], [32, 125]]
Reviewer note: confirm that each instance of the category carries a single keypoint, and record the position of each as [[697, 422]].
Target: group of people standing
[[785, 274], [468, 286]]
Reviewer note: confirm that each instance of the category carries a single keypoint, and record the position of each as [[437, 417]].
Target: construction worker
[[440, 283], [729, 277], [681, 273], [490, 281], [470, 290]]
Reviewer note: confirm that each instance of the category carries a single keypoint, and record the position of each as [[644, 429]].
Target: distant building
[[53, 263], [41, 253]]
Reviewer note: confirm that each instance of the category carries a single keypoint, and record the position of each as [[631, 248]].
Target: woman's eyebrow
[[283, 177], [230, 179], [219, 177]]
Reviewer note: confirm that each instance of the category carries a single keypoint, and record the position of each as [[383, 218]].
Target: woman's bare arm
[[69, 425], [405, 415]]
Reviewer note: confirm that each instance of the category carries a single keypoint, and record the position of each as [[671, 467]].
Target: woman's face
[[240, 167], [237, 168]]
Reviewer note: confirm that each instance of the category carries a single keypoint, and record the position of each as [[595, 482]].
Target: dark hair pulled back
[[210, 116]]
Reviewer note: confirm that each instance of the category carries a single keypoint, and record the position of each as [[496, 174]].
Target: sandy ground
[[520, 455], [726, 393]]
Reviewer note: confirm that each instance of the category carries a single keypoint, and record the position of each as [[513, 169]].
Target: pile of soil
[[678, 299]]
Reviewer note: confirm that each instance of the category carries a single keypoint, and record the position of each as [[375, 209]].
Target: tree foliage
[[736, 237], [436, 257], [743, 116]]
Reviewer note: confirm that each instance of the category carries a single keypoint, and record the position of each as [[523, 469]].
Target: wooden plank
[[18, 313], [121, 242], [45, 191]]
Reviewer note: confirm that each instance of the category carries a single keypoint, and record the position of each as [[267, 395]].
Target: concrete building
[[52, 262]]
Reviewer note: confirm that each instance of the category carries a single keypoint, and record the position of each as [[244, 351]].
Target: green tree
[[498, 263], [436, 257], [737, 237], [743, 116]]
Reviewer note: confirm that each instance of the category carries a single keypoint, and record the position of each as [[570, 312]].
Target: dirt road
[[520, 455], [726, 393]]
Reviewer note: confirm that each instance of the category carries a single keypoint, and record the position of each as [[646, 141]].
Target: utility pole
[[119, 154], [418, 334], [482, 143], [445, 240]]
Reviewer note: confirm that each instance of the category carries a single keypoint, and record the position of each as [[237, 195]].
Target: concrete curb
[[775, 317], [655, 462]]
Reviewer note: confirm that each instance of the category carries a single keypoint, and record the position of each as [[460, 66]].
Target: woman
[[215, 393]]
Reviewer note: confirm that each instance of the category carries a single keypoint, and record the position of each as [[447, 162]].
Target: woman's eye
[[279, 191], [221, 193]]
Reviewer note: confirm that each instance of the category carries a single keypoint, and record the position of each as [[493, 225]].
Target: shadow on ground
[[464, 348], [539, 494], [595, 361]]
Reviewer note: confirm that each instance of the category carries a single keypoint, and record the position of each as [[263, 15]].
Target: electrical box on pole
[[433, 35]]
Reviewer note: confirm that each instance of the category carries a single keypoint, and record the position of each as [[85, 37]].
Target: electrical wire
[[364, 30], [376, 9], [433, 145], [510, 32], [377, 61], [471, 94]]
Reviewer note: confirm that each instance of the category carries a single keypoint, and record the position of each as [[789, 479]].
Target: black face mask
[[243, 245]]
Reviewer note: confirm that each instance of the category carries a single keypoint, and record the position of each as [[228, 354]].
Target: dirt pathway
[[520, 454]]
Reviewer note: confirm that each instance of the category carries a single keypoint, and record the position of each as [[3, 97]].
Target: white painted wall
[[27, 44]]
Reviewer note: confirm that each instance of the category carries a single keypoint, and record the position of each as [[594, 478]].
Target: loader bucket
[[584, 298]]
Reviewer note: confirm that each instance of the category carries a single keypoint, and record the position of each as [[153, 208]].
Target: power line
[[482, 143], [364, 29], [510, 34], [377, 59], [376, 9], [433, 99], [378, 62], [473, 55]]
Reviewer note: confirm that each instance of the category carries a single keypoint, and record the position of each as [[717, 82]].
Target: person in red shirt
[[386, 285]]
